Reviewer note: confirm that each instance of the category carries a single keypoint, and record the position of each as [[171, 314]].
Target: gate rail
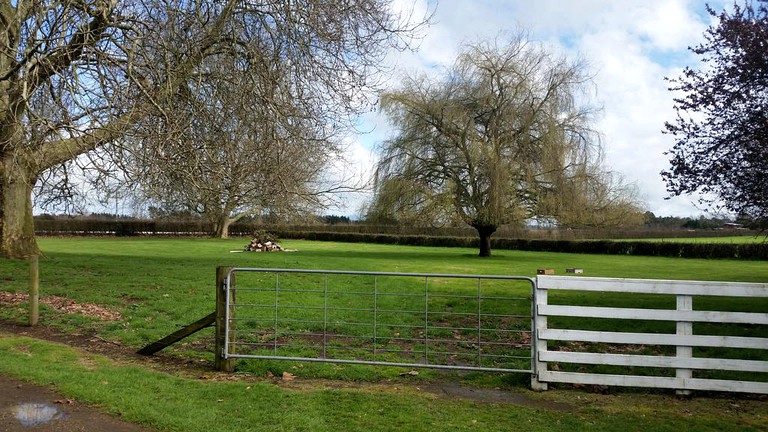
[[442, 321]]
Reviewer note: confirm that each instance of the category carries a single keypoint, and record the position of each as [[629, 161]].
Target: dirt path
[[26, 407], [30, 408]]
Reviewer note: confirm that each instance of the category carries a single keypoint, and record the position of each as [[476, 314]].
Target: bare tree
[[75, 76], [500, 131], [236, 141]]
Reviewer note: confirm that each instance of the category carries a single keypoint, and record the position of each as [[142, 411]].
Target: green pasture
[[158, 285]]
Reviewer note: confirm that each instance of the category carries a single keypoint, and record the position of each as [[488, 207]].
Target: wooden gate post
[[220, 362], [34, 290]]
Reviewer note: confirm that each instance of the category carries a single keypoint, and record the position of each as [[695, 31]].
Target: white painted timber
[[657, 382], [654, 361], [682, 364], [653, 339], [653, 314], [653, 286]]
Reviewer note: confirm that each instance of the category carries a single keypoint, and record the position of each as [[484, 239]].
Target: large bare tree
[[493, 138], [76, 75], [237, 140]]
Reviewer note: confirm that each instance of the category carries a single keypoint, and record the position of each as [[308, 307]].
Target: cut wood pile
[[259, 245]]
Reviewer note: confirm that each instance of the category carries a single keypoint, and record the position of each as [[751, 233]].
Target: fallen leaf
[[525, 337]]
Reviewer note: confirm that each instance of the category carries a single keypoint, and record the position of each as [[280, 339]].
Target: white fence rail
[[579, 355]]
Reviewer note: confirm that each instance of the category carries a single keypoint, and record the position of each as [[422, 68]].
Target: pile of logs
[[256, 245]]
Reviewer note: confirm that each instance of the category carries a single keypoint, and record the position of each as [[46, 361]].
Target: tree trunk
[[485, 232], [221, 228], [17, 227]]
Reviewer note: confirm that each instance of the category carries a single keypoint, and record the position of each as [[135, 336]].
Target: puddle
[[34, 414]]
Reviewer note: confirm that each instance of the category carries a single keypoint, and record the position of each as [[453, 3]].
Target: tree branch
[[87, 35], [55, 152]]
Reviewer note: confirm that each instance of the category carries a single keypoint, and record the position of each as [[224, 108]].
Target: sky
[[629, 46]]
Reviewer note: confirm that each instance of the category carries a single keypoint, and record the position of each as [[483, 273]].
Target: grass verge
[[173, 403]]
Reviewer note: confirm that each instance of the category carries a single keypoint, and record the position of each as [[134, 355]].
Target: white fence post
[[684, 328], [539, 345]]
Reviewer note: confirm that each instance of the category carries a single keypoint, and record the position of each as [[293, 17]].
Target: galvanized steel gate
[[444, 321]]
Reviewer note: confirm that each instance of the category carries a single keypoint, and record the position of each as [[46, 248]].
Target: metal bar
[[348, 272], [375, 313], [479, 323], [358, 349], [426, 319], [325, 315], [277, 303], [382, 363]]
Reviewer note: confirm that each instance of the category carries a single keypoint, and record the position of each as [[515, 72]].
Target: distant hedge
[[118, 227], [742, 251]]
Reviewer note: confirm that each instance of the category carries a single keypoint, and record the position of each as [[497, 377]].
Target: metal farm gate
[[445, 321], [642, 333]]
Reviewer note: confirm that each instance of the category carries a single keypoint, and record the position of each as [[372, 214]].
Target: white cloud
[[630, 46]]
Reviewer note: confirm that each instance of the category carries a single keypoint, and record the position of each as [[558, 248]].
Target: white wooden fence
[[547, 363]]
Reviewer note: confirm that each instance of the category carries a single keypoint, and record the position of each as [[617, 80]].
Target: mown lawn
[[159, 284]]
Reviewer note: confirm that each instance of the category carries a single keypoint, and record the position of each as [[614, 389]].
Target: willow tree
[[489, 138], [75, 76], [588, 196]]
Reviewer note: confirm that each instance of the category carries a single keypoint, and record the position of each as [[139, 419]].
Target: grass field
[[158, 284]]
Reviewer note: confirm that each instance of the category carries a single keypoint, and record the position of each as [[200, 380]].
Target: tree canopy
[[721, 128], [237, 141], [505, 134], [76, 76]]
